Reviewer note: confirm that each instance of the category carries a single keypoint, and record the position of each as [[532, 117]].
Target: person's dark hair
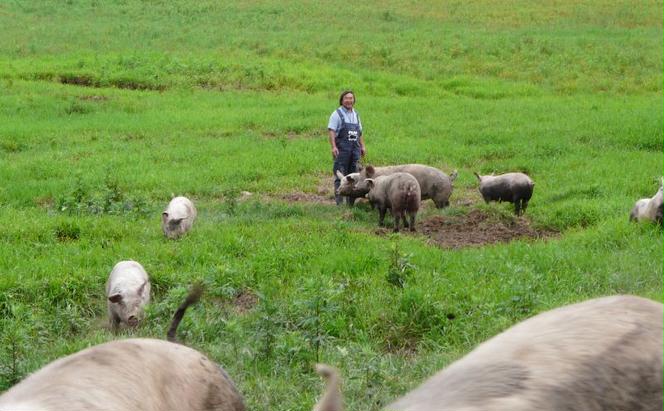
[[341, 97]]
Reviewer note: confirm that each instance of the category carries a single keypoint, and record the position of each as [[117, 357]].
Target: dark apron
[[349, 151]]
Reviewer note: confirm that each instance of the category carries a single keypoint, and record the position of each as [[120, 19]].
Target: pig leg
[[524, 205], [405, 220], [381, 217], [396, 216], [517, 206], [412, 221]]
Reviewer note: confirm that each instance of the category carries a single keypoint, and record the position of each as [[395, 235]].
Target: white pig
[[128, 291], [178, 217], [128, 375], [649, 209], [601, 354]]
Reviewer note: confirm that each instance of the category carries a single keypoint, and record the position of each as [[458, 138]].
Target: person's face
[[348, 101]]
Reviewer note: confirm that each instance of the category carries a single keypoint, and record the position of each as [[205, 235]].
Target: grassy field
[[108, 108]]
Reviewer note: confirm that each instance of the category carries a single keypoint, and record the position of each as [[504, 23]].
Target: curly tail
[[192, 298]]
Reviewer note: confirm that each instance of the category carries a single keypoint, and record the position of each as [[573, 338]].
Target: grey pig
[[434, 184], [514, 188], [400, 192]]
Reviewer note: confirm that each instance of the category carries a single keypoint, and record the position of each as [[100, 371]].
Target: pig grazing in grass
[[434, 184], [127, 375], [127, 290], [178, 217], [649, 209], [601, 354], [514, 188], [400, 192]]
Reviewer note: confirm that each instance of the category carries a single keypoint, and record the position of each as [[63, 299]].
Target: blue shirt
[[349, 117]]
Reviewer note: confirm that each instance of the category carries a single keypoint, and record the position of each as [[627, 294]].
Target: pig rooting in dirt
[[178, 217], [399, 192], [516, 188], [127, 291]]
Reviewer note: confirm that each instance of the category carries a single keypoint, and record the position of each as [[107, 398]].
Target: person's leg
[[340, 164], [352, 168]]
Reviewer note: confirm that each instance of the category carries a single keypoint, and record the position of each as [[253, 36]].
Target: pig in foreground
[[178, 217], [434, 184], [602, 354], [399, 192], [649, 209], [514, 188], [128, 291], [127, 375]]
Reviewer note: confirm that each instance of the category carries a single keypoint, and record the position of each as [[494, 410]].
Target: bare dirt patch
[[477, 228], [245, 301], [324, 193]]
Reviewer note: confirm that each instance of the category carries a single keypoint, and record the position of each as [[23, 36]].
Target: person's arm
[[333, 136]]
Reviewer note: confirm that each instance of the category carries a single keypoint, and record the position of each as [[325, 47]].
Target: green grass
[[107, 109]]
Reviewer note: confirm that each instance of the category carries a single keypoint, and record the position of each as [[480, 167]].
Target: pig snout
[[132, 321]]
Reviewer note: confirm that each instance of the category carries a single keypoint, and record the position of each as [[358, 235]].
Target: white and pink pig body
[[649, 209], [128, 291], [178, 218], [127, 375]]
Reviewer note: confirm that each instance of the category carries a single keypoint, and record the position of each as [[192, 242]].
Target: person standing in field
[[345, 133]]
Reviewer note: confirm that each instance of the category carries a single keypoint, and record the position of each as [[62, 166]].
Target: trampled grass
[[109, 108]]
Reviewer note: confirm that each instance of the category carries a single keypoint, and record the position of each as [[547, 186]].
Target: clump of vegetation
[[400, 269], [108, 199]]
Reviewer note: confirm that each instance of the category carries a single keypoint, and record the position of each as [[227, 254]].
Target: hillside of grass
[[107, 109]]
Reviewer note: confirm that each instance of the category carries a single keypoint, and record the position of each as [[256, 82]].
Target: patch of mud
[[127, 84], [324, 193], [245, 301], [300, 197], [93, 98], [477, 228]]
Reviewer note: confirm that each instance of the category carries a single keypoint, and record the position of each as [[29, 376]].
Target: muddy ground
[[474, 228]]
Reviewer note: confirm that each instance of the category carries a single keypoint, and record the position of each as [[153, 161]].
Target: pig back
[[133, 374], [600, 354]]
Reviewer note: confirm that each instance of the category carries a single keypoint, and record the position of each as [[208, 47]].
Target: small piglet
[[128, 290], [514, 188], [178, 217], [400, 192], [649, 209]]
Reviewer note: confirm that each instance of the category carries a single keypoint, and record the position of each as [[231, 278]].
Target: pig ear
[[115, 298], [141, 289], [340, 175], [350, 179], [370, 182], [479, 177], [370, 171], [164, 216]]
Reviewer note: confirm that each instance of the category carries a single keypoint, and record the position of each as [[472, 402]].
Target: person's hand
[[363, 151], [335, 152]]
